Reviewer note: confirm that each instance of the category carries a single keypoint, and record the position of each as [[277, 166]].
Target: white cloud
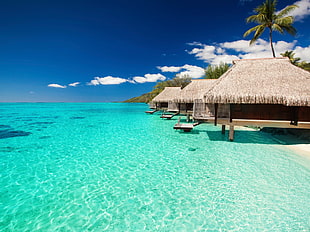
[[240, 49], [109, 80], [74, 84], [303, 53], [57, 86], [192, 71], [224, 59], [195, 44], [243, 46], [205, 52], [149, 78], [169, 68], [213, 54], [189, 70], [302, 11]]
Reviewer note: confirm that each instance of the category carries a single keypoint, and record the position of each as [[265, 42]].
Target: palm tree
[[267, 17], [296, 60], [291, 55]]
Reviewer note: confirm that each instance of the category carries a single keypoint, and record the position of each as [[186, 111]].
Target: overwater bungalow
[[164, 100], [269, 92], [188, 99], [194, 90]]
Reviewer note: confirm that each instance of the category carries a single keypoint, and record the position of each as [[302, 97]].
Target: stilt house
[[164, 100], [269, 92], [194, 90]]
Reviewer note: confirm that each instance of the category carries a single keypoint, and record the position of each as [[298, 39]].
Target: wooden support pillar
[[230, 112], [223, 129], [231, 132], [216, 105], [187, 118], [294, 116]]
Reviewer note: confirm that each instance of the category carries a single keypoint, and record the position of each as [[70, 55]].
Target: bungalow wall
[[162, 105], [269, 112], [185, 107], [169, 106], [172, 106], [205, 110]]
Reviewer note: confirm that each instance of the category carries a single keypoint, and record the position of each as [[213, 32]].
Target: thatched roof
[[168, 94], [262, 81], [194, 90]]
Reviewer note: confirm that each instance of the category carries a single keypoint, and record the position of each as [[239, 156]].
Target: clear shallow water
[[96, 167]]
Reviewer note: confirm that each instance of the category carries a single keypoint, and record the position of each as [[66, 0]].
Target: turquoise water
[[111, 167]]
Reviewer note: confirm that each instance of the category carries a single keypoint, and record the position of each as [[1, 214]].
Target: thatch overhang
[[262, 81], [167, 95], [194, 90]]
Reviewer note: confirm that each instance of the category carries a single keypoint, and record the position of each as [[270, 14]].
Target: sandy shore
[[298, 146], [301, 149]]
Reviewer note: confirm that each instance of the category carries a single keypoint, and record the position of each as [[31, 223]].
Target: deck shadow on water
[[256, 137]]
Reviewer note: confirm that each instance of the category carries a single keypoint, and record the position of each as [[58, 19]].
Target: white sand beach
[[301, 149], [298, 146]]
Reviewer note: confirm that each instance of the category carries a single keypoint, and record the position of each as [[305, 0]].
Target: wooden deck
[[186, 127], [168, 116], [151, 111]]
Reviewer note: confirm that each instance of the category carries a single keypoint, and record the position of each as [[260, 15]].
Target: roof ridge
[[266, 58]]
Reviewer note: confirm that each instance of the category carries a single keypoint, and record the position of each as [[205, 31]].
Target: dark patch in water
[[192, 149], [4, 134], [41, 123], [77, 117], [27, 119], [7, 149], [45, 137], [4, 126], [94, 110]]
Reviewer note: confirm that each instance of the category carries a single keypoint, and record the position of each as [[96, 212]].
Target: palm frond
[[290, 29], [251, 30], [277, 27], [259, 31], [270, 9], [287, 10], [259, 18], [284, 21]]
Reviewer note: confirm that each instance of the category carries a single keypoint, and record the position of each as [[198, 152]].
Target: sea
[[112, 167]]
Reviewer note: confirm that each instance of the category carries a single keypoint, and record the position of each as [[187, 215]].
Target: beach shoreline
[[298, 146], [300, 149], [287, 141]]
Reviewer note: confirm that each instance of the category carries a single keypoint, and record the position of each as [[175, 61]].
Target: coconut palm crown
[[268, 17], [291, 55]]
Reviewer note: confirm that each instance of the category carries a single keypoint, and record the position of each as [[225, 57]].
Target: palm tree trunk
[[270, 39]]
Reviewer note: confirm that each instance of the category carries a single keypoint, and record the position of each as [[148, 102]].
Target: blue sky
[[103, 51]]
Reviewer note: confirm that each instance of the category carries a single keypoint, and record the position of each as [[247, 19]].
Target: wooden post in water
[[215, 113], [223, 129], [294, 110], [231, 132]]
